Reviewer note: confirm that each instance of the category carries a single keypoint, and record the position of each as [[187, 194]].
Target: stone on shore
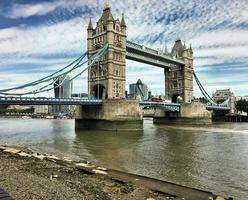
[[11, 150]]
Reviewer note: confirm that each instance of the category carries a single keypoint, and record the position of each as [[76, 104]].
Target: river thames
[[213, 158]]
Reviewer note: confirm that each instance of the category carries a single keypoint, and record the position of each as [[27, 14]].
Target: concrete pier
[[113, 114], [193, 113]]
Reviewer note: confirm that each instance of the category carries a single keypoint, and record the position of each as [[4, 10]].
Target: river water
[[213, 158]]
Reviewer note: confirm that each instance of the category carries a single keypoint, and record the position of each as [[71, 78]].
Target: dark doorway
[[174, 98], [99, 91]]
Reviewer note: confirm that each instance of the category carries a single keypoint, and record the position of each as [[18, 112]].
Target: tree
[[242, 105]]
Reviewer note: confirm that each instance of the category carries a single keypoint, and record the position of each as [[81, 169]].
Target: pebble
[[52, 157], [99, 171], [219, 198], [84, 165], [23, 154], [2, 147], [102, 168], [35, 155], [11, 150], [150, 198]]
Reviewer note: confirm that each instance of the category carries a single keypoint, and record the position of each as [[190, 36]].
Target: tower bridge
[[108, 49]]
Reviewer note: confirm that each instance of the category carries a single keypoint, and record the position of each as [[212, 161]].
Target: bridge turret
[[107, 78], [90, 34], [188, 74], [123, 25], [177, 50]]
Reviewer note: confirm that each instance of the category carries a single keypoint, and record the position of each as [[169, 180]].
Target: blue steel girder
[[218, 108], [150, 56], [174, 107]]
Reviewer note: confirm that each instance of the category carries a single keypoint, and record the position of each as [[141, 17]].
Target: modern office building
[[63, 88], [138, 90]]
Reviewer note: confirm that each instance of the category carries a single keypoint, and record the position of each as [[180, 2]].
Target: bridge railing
[[44, 101], [150, 60], [175, 107]]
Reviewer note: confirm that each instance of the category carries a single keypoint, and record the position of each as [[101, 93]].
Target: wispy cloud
[[217, 30]]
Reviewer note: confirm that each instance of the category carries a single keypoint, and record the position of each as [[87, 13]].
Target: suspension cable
[[95, 58]]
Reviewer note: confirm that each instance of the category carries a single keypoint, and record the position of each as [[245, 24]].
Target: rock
[[219, 198], [67, 160], [84, 165], [102, 168], [11, 150], [2, 147], [35, 155], [23, 154], [150, 198], [96, 171], [52, 157]]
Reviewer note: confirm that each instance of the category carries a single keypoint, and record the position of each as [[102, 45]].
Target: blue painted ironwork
[[174, 107], [47, 101], [58, 75]]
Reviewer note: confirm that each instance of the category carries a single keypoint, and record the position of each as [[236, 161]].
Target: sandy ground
[[27, 178]]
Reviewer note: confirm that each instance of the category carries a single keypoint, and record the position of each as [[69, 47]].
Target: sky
[[38, 37]]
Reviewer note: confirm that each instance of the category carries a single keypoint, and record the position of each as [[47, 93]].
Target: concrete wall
[[113, 114], [193, 113], [194, 109], [111, 109]]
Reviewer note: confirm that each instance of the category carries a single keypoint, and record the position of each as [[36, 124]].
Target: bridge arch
[[99, 91], [176, 98]]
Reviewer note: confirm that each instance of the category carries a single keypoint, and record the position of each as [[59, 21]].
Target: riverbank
[[28, 175]]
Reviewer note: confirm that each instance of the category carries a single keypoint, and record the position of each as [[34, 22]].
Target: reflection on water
[[212, 158]]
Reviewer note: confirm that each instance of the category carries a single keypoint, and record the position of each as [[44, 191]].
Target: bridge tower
[[179, 78], [106, 79]]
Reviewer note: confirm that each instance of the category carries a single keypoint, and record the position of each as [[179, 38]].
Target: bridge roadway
[[174, 107], [150, 56]]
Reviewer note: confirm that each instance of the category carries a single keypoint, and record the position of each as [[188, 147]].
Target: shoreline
[[82, 179]]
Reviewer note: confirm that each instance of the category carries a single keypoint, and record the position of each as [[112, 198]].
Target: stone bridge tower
[[179, 78], [106, 79]]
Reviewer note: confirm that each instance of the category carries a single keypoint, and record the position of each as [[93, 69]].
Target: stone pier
[[193, 113], [113, 114]]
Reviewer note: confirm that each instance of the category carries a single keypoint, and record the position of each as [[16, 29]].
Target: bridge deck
[[147, 55], [47, 101]]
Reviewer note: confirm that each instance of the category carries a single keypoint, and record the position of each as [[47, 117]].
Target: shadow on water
[[110, 148]]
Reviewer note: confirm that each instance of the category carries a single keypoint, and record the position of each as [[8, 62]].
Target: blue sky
[[38, 37]]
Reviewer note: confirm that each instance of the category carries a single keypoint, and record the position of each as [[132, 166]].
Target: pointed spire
[[123, 23], [190, 48], [90, 26], [165, 47], [184, 45]]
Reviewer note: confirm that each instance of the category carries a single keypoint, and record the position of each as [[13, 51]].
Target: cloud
[[27, 10], [63, 37], [216, 30], [43, 8]]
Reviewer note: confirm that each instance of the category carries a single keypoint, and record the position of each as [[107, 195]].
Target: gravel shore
[[27, 178]]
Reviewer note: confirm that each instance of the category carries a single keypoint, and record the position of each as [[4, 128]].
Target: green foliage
[[242, 105]]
